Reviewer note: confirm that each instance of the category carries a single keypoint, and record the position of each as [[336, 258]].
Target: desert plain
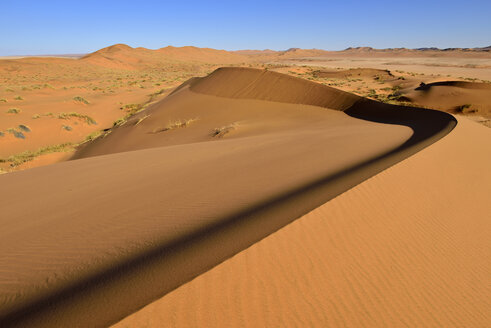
[[194, 187]]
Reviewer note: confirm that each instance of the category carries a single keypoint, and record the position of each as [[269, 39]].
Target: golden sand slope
[[132, 226], [454, 96], [409, 247]]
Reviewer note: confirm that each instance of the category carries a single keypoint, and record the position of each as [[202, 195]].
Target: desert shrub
[[220, 132], [13, 111], [372, 93], [91, 137], [81, 100], [18, 98], [175, 125], [18, 159], [24, 128], [466, 109], [17, 134], [3, 100], [67, 127], [65, 116]]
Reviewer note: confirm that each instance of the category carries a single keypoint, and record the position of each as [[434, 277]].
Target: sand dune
[[124, 56], [405, 248], [454, 97], [165, 202]]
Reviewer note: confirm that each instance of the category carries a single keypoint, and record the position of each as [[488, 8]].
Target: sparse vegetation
[[222, 131], [67, 127], [119, 122], [26, 156], [372, 93], [91, 137], [16, 133], [13, 111], [141, 119], [18, 98], [65, 116], [3, 100], [175, 125], [24, 128], [81, 100], [466, 109]]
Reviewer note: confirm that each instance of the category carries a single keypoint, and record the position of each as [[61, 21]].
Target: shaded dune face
[[153, 205]]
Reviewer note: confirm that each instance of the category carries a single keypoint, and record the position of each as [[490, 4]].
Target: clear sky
[[60, 27]]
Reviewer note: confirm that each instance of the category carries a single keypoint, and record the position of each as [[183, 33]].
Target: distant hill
[[125, 57]]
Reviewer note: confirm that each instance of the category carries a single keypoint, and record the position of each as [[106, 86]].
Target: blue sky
[[57, 27]]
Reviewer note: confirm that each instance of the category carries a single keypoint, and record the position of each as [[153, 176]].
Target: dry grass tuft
[[81, 100], [222, 131], [13, 111], [141, 119], [175, 125]]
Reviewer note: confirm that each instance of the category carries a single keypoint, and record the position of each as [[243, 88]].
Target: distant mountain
[[122, 56], [126, 57]]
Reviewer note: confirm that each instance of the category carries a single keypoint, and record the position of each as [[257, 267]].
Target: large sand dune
[[409, 247], [92, 240]]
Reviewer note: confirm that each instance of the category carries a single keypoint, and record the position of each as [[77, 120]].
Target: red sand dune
[[453, 96], [405, 248], [166, 202]]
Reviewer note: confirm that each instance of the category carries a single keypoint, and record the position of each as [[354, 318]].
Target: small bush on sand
[[3, 100], [222, 131], [13, 111], [24, 128], [81, 100], [65, 116], [17, 134], [175, 125], [466, 109], [18, 98], [91, 137]]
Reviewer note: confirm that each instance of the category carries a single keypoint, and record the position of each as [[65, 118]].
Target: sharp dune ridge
[[161, 208]]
